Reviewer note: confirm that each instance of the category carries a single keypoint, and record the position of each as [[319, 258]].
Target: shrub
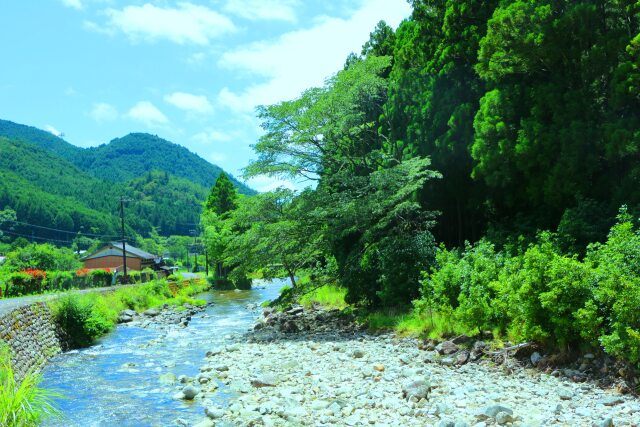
[[58, 281], [22, 403], [101, 278], [41, 256], [543, 295], [76, 315], [19, 284], [546, 294]]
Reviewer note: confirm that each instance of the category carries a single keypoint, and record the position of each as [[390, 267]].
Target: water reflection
[[117, 382]]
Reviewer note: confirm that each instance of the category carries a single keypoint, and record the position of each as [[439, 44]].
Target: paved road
[[10, 304]]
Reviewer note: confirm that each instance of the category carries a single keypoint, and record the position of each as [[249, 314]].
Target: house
[[110, 256]]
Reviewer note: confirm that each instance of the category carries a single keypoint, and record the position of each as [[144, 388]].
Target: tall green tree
[[223, 197]]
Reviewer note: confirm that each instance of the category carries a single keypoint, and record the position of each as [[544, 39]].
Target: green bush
[[101, 278], [58, 280], [134, 276], [541, 294], [43, 257], [612, 313], [76, 315]]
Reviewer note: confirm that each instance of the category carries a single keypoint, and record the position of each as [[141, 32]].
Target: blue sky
[[189, 71]]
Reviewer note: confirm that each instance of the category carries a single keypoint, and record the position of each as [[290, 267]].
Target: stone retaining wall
[[33, 337]]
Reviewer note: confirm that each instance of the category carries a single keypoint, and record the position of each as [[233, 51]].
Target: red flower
[[82, 272], [35, 274]]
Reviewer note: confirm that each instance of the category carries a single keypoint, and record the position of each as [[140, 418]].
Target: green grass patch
[[415, 324], [22, 403], [329, 296]]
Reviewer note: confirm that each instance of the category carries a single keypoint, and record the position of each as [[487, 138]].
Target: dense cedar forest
[[512, 126], [78, 190]]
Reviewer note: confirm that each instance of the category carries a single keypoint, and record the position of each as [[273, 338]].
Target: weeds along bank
[[84, 318]]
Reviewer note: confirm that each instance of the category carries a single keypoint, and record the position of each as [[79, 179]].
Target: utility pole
[[206, 261], [195, 250], [124, 250]]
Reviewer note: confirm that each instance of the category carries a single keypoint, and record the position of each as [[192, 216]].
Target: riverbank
[[316, 374]]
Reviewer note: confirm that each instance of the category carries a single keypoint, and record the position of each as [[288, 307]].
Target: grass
[[329, 296], [88, 316], [415, 324], [22, 403]]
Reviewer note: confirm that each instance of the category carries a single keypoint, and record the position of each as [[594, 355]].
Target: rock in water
[[190, 392], [152, 312], [417, 388]]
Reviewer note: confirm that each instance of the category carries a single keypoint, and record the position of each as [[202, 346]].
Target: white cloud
[[185, 24], [263, 10], [217, 157], [304, 58], [212, 137], [103, 112], [189, 102], [147, 113], [74, 4], [53, 131]]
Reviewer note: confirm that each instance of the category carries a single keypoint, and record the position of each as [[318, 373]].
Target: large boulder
[[446, 348]]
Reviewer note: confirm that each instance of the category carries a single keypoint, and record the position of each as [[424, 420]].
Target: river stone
[[606, 423], [214, 413], [503, 417], [535, 358], [167, 378], [152, 312], [357, 354], [417, 388], [264, 380], [611, 401], [565, 394], [190, 392], [492, 411], [205, 423], [446, 348]]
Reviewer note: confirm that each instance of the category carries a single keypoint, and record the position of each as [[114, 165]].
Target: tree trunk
[[292, 277]]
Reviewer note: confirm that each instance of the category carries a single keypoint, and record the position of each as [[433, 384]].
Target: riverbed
[[118, 381]]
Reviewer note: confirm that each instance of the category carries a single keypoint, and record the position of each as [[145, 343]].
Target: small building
[[110, 256]]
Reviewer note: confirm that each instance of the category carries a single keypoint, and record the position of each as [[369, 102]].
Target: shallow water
[[117, 381]]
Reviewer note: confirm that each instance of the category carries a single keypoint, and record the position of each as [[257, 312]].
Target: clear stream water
[[117, 381]]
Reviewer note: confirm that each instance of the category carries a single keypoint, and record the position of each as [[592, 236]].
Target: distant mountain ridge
[[54, 184], [125, 158]]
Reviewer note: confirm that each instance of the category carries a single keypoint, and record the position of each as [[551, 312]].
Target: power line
[[75, 233], [46, 239]]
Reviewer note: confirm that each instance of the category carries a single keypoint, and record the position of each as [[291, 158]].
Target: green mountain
[[54, 184], [125, 158]]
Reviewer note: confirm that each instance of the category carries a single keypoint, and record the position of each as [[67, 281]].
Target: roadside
[[9, 304]]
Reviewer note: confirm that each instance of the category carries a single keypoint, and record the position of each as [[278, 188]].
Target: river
[[117, 381]]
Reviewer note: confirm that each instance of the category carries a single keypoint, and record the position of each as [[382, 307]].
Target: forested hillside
[[134, 155], [479, 164], [51, 183]]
